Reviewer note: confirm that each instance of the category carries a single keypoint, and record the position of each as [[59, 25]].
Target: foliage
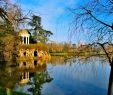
[[4, 92], [8, 37], [38, 33], [11, 18], [58, 47], [38, 80], [39, 46]]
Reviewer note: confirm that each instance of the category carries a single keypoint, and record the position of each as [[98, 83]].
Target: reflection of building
[[27, 64], [24, 34], [16, 78], [24, 77], [31, 64], [27, 68]]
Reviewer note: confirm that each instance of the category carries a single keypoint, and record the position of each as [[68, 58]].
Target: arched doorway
[[24, 53], [35, 62], [35, 53]]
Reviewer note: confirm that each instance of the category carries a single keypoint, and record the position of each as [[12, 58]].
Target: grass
[[58, 54], [3, 91], [85, 54], [75, 54]]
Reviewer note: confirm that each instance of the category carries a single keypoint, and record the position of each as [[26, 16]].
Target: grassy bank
[[58, 54], [76, 54], [7, 91]]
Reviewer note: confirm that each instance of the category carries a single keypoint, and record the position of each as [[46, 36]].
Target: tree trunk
[[110, 80]]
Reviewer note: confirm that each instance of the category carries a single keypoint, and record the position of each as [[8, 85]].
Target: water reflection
[[32, 73], [78, 76], [37, 81], [59, 76], [8, 76]]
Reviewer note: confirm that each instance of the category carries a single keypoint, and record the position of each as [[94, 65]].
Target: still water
[[59, 76]]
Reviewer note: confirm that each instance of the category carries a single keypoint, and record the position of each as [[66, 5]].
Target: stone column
[[25, 75], [22, 39], [22, 75], [28, 75], [28, 40]]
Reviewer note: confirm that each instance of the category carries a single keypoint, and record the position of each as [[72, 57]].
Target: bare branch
[[107, 54], [90, 13]]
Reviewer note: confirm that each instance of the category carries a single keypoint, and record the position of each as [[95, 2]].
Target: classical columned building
[[24, 34]]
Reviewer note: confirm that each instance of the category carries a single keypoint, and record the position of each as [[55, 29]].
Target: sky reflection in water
[[74, 76], [78, 78]]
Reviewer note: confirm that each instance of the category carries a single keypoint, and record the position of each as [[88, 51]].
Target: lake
[[59, 76]]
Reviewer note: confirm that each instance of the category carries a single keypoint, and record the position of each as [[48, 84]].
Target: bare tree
[[96, 17]]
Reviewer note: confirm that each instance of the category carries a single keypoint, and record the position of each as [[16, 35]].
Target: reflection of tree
[[57, 60], [38, 80], [8, 76], [37, 76]]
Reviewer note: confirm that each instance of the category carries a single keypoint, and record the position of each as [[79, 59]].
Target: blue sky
[[55, 16]]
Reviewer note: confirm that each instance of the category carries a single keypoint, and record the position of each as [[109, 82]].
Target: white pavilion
[[24, 34]]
